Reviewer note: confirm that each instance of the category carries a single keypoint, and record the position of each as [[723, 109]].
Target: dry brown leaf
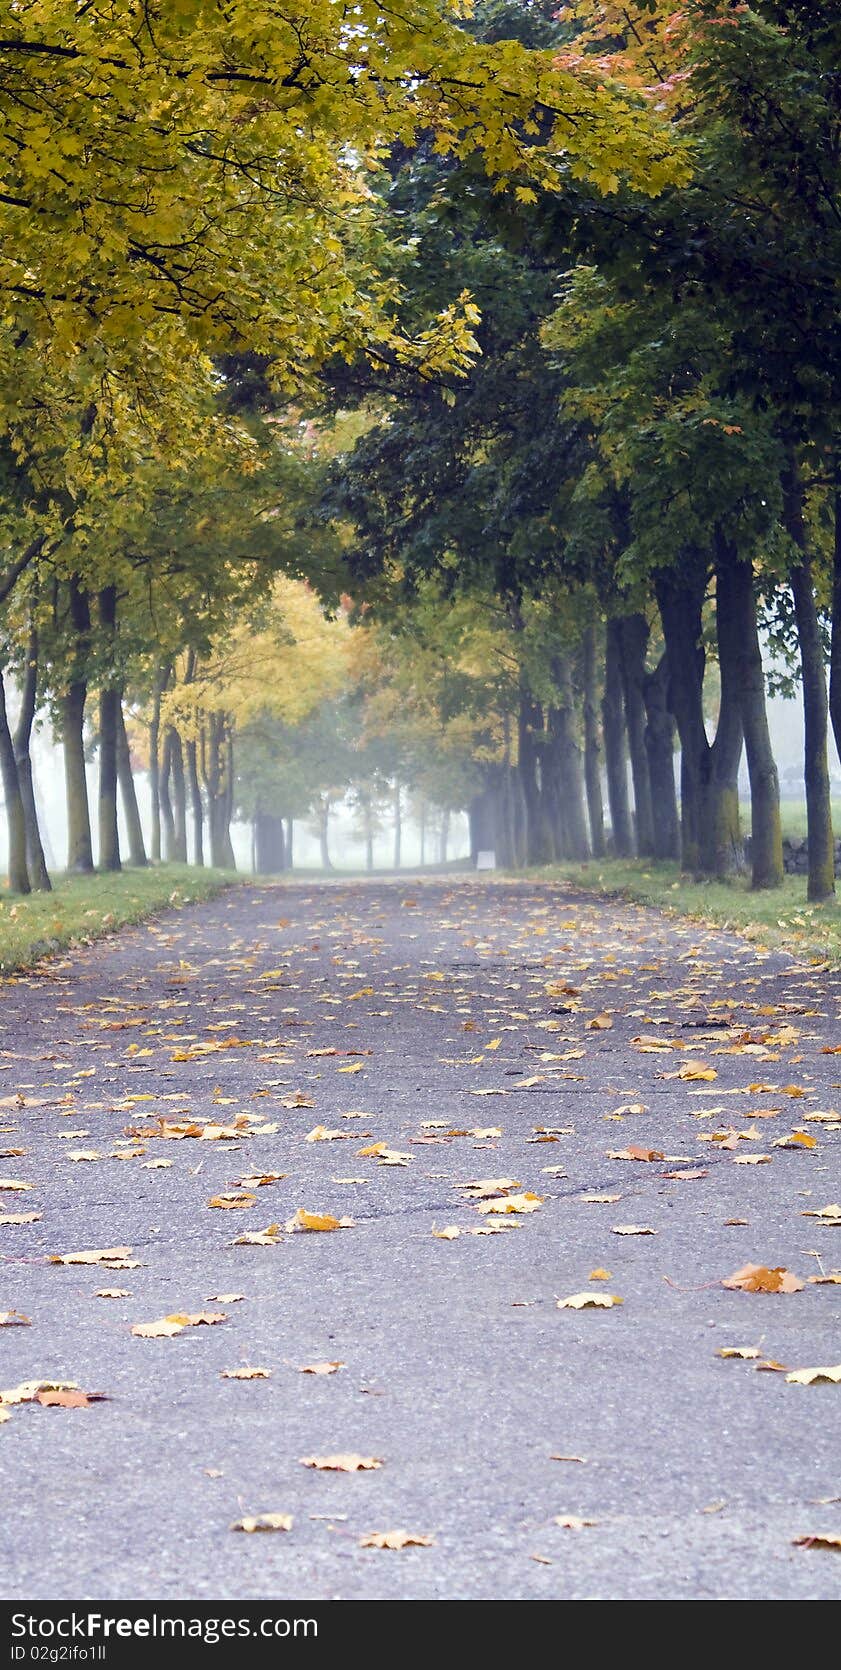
[[14, 1319], [758, 1278], [176, 1323], [110, 1256], [342, 1463], [589, 1301], [831, 1279], [264, 1522], [112, 1293], [484, 1188], [270, 1237], [63, 1400], [451, 1233], [815, 1376], [687, 1176], [632, 1229], [600, 1023], [20, 1217], [795, 1139], [526, 1202], [634, 1152], [571, 1522], [599, 1275], [829, 1214], [233, 1202], [245, 1374], [321, 1368], [13, 1185], [818, 1539], [746, 1352], [395, 1539], [304, 1220], [598, 1200]]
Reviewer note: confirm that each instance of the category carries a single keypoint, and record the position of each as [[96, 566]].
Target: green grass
[[83, 908], [781, 917]]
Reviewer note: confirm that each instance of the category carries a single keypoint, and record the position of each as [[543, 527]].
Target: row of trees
[[444, 403]]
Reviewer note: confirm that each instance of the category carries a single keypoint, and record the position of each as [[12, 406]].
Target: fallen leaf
[[264, 1522], [631, 1229], [758, 1278], [113, 1257], [304, 1220], [526, 1202], [14, 1319], [63, 1400], [634, 1152], [589, 1301], [571, 1522], [815, 1376], [746, 1352], [245, 1374], [342, 1463], [320, 1368], [818, 1539], [395, 1539], [176, 1323]]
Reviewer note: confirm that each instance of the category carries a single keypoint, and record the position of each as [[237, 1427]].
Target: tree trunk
[[289, 823], [15, 816], [109, 707], [324, 832], [230, 862], [398, 827], [179, 800], [740, 658], [613, 727], [660, 748], [821, 883], [481, 817], [540, 847], [167, 816], [592, 742], [711, 843], [213, 766], [633, 644], [269, 845], [195, 803], [36, 862], [565, 754], [79, 844], [835, 650], [125, 777], [368, 831], [445, 835], [161, 681]]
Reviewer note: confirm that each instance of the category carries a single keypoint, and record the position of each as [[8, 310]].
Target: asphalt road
[[460, 1374]]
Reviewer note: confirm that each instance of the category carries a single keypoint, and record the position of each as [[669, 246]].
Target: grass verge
[[84, 908], [781, 917]]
